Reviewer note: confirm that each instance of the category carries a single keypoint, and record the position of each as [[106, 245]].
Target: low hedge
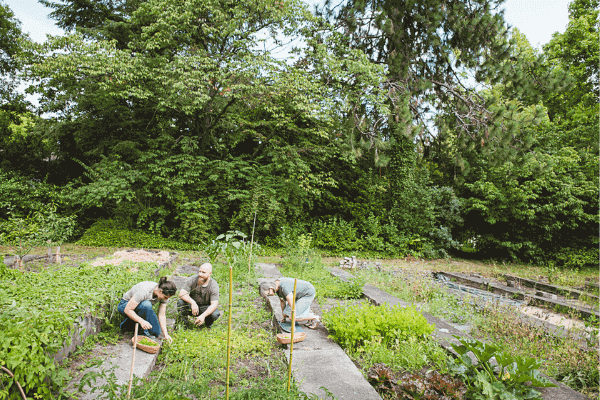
[[108, 233]]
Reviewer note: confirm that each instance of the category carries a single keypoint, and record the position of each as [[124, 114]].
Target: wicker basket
[[285, 338], [146, 348]]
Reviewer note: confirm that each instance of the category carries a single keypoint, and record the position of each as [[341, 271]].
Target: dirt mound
[[133, 255]]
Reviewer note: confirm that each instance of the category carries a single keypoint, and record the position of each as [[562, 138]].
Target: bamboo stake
[[132, 360], [251, 241], [292, 335], [229, 330]]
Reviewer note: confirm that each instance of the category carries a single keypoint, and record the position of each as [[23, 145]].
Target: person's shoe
[[314, 323]]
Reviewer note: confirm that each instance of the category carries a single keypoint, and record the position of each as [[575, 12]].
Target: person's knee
[[144, 305], [183, 307], [121, 307], [216, 314]]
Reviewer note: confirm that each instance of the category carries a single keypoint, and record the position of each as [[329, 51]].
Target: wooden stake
[[229, 330], [292, 335], [251, 242], [132, 360], [50, 254], [58, 254]]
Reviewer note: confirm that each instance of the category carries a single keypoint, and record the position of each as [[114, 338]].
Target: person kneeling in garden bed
[[199, 297], [305, 294], [136, 306]]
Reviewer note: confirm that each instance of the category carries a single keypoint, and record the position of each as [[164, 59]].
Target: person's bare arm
[[162, 320], [130, 312], [290, 300], [185, 296], [282, 304]]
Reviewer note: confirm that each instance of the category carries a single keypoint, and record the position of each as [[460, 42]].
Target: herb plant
[[355, 325]]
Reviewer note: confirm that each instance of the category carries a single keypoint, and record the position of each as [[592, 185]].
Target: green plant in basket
[[507, 380], [147, 342]]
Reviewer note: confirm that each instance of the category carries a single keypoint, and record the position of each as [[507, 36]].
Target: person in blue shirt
[[305, 294]]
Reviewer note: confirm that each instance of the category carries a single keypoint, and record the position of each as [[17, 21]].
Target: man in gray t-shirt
[[199, 297]]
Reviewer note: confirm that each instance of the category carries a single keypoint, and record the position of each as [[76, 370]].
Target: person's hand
[[199, 320], [194, 308], [145, 325], [168, 338]]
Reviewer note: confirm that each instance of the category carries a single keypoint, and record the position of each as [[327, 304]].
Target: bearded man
[[199, 297]]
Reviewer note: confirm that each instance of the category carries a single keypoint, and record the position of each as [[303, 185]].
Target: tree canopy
[[414, 125]]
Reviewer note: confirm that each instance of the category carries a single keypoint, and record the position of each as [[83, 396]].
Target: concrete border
[[518, 294], [444, 334], [575, 294], [525, 319], [318, 361]]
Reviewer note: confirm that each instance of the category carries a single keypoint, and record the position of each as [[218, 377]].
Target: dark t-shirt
[[202, 295]]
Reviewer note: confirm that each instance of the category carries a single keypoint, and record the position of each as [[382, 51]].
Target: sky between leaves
[[537, 19]]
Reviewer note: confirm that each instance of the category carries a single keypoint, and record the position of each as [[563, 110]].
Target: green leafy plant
[[506, 380], [39, 228], [147, 342], [34, 327], [230, 245], [109, 233], [354, 325]]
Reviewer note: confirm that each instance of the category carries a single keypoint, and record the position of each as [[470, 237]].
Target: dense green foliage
[[38, 311], [507, 378], [108, 233], [368, 321], [185, 120]]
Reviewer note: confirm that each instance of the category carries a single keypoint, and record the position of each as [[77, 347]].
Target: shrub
[[354, 325], [108, 233], [335, 235]]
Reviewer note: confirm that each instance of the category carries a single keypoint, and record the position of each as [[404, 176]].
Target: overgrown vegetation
[[563, 356], [395, 336], [337, 146], [38, 311]]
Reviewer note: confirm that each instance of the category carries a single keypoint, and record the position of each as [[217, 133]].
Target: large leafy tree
[[195, 81], [542, 205]]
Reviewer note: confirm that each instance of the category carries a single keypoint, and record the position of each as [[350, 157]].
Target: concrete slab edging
[[318, 362], [444, 334], [518, 294]]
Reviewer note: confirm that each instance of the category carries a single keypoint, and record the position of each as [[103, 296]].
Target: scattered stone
[[510, 283], [353, 263]]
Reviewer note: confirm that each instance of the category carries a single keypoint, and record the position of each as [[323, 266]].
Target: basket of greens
[[146, 344]]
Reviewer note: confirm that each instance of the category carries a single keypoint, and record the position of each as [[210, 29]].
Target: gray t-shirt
[[142, 291], [201, 295], [303, 288]]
